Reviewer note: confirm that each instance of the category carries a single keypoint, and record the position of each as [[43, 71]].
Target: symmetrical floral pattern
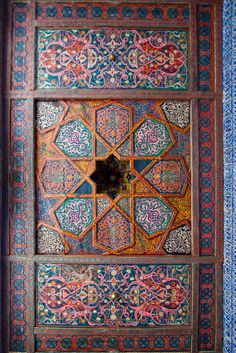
[[168, 176], [112, 58], [75, 215], [113, 123], [114, 231], [113, 295], [59, 177], [152, 138], [75, 139], [153, 214]]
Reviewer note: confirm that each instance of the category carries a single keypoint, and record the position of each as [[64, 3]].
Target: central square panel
[[113, 177]]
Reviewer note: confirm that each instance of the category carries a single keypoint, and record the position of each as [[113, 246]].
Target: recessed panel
[[113, 177]]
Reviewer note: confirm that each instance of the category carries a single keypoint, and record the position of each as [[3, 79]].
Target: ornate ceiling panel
[[138, 191], [114, 204]]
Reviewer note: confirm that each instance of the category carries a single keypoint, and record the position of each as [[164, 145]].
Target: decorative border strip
[[20, 41], [18, 160], [206, 307], [124, 342], [18, 305], [207, 180], [229, 107], [88, 11], [205, 15]]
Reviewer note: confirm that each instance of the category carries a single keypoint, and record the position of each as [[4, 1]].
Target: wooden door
[[114, 229]]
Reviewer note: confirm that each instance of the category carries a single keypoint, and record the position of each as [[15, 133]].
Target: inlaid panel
[[113, 295], [113, 177], [112, 58]]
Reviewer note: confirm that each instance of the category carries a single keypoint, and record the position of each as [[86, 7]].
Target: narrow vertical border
[[31, 46], [30, 179], [195, 307], [229, 111], [194, 49], [31, 305], [195, 177], [1, 161]]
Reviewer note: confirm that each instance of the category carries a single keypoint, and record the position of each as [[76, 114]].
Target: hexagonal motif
[[114, 231], [153, 214], [152, 138], [75, 214], [168, 177], [59, 177], [75, 139], [113, 123]]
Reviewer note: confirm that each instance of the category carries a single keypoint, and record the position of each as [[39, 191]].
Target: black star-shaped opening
[[112, 176]]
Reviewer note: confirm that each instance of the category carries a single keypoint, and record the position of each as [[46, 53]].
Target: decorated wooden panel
[[118, 295], [113, 210], [112, 58], [113, 177]]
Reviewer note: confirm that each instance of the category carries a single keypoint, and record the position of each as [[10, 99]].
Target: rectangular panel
[[206, 61], [207, 307], [125, 12], [113, 295], [127, 341], [112, 58], [20, 38], [113, 177], [18, 307], [18, 191], [207, 177]]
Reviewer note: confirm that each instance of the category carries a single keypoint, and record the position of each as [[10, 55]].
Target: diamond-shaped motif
[[113, 122], [113, 231], [75, 139], [168, 176], [152, 138], [75, 214], [153, 214], [101, 204], [59, 177]]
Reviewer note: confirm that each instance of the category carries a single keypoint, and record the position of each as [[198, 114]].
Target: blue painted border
[[229, 106]]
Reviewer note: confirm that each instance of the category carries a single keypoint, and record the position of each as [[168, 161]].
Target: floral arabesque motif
[[113, 123], [168, 177], [75, 139], [75, 214], [112, 58], [114, 231], [113, 295], [152, 138], [153, 214], [59, 177]]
